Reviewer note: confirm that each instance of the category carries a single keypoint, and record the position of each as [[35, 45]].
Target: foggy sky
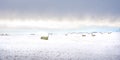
[[92, 12]]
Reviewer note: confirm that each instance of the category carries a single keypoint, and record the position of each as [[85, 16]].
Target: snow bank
[[61, 47]]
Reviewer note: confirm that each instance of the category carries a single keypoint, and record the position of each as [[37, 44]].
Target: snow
[[61, 47]]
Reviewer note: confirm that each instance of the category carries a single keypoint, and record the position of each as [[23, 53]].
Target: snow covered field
[[82, 46]]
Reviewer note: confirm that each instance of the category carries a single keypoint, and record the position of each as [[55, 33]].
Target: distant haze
[[59, 14]]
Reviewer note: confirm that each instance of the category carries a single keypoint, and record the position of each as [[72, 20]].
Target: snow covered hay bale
[[44, 37]]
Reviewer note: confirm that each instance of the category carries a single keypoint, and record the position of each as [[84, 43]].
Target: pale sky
[[59, 14]]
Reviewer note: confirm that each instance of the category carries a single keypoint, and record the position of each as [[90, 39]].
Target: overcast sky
[[59, 14]]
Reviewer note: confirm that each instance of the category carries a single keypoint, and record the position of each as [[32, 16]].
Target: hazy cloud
[[59, 13], [62, 7]]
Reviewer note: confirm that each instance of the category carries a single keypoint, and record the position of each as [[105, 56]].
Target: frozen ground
[[61, 47]]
